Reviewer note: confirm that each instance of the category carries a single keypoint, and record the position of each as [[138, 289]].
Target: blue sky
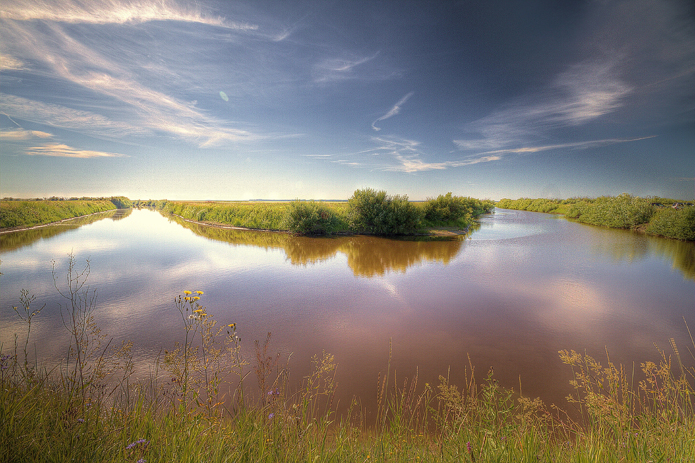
[[314, 99]]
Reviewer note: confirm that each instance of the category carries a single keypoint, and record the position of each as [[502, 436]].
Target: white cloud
[[67, 118], [339, 69], [395, 110], [10, 63], [112, 12], [583, 93], [65, 151], [146, 109], [21, 134]]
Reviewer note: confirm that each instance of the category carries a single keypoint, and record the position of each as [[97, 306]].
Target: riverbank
[[654, 216], [366, 212], [93, 408], [27, 214]]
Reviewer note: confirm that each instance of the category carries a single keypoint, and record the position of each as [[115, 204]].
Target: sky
[[236, 100]]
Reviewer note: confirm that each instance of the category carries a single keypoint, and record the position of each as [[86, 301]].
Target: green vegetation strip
[[24, 214], [206, 402], [367, 212], [656, 216]]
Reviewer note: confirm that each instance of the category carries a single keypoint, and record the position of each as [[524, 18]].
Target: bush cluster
[[310, 218], [661, 216], [674, 223], [375, 212], [622, 211], [455, 210]]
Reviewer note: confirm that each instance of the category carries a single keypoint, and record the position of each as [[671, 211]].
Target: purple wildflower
[[141, 460], [140, 441], [80, 420], [270, 417]]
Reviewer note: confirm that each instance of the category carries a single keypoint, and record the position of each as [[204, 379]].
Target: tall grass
[[31, 213], [199, 405]]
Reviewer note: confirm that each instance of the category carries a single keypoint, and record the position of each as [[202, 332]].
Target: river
[[510, 295]]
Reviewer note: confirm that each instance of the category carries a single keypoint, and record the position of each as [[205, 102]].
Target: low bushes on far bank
[[29, 213], [654, 215]]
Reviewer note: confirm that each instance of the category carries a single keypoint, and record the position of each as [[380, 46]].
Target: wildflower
[[199, 293], [232, 325], [186, 298], [141, 460], [196, 298], [140, 441], [270, 417], [80, 420], [187, 293], [198, 311]]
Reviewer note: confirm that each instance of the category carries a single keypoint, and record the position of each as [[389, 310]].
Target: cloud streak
[[67, 118], [393, 111], [112, 12], [65, 151], [582, 94], [22, 134], [332, 70]]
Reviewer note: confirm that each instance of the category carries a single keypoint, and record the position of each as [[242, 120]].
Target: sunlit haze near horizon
[[234, 100]]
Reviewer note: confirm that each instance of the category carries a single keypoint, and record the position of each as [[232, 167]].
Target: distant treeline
[[656, 216], [367, 212], [22, 213]]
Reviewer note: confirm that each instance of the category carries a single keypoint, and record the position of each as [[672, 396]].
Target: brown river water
[[510, 295]]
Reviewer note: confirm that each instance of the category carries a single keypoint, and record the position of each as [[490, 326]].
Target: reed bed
[[204, 401]]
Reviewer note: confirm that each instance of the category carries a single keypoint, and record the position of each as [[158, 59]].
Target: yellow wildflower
[[198, 311], [186, 292], [186, 298], [200, 293], [196, 298], [232, 325]]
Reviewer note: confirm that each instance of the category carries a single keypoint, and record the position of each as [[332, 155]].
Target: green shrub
[[623, 211], [674, 223], [374, 212], [454, 210], [309, 218]]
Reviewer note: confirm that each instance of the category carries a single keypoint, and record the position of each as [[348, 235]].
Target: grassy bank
[[367, 212], [204, 401], [29, 213], [656, 216]]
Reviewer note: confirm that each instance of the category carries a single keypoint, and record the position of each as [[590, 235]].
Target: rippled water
[[520, 288]]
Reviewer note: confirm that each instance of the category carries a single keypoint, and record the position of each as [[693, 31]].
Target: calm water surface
[[519, 289]]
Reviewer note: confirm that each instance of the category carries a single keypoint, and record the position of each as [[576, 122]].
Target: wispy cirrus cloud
[[393, 111], [580, 95], [351, 68], [147, 110], [22, 134], [113, 12], [10, 63], [65, 151], [67, 118]]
